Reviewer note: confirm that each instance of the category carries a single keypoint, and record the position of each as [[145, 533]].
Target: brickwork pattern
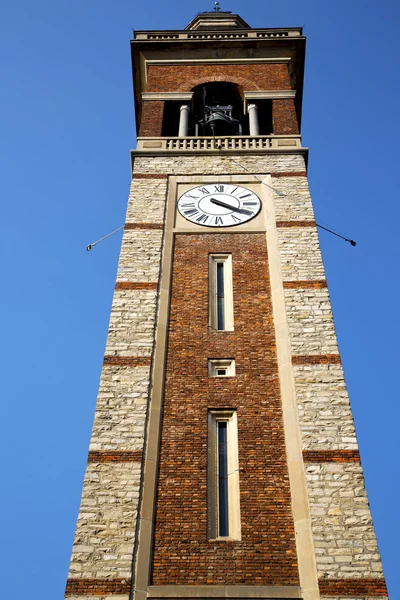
[[284, 117], [295, 224], [151, 118], [317, 359], [136, 285], [305, 284], [94, 587], [183, 78], [367, 588], [110, 456], [129, 226], [266, 554], [99, 595], [335, 456], [127, 361], [290, 174]]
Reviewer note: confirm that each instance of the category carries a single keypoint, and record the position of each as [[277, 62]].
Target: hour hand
[[239, 210]]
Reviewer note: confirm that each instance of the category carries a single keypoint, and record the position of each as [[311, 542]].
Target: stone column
[[184, 121], [253, 119]]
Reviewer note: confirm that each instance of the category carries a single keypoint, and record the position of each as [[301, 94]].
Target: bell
[[220, 121]]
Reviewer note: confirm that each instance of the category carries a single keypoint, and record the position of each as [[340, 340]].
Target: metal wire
[[90, 246]]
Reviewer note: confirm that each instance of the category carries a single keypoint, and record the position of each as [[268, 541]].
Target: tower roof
[[217, 20]]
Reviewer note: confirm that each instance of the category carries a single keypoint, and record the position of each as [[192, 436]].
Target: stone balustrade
[[212, 144]]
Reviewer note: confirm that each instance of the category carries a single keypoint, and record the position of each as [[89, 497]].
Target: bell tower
[[223, 461]]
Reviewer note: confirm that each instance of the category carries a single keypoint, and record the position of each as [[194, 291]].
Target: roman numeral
[[235, 218], [191, 212], [218, 220], [184, 204], [219, 188], [190, 196], [202, 218], [233, 191], [245, 196], [204, 190], [249, 203]]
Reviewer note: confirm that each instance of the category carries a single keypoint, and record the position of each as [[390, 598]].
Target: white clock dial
[[219, 205]]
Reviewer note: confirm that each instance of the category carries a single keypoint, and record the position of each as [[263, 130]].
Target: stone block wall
[[347, 556], [101, 562], [106, 523], [325, 416], [131, 329], [310, 321], [121, 409], [344, 538]]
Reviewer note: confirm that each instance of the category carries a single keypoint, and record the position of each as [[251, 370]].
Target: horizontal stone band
[[128, 361], [296, 224], [317, 359], [136, 285], [114, 456], [143, 226], [224, 591], [290, 174], [331, 456], [305, 284], [97, 587], [150, 176], [352, 587]]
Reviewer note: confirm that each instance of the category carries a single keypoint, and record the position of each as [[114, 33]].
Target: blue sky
[[67, 127]]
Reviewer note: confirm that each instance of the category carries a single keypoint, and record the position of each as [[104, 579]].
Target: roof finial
[[216, 7]]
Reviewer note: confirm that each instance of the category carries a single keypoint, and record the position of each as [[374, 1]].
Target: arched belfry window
[[218, 110]]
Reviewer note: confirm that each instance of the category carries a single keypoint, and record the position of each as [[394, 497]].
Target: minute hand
[[239, 210]]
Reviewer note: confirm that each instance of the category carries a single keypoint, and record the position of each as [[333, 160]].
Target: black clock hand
[[239, 210]]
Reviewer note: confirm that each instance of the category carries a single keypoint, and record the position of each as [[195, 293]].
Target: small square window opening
[[221, 367]]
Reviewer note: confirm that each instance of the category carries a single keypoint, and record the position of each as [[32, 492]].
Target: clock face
[[219, 205]]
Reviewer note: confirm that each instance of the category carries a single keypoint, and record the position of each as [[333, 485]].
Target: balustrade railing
[[236, 143]]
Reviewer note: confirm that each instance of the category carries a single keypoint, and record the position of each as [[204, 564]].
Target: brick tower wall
[[183, 78], [266, 553]]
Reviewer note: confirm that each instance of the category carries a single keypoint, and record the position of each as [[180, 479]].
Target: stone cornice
[[184, 96], [270, 95], [163, 152], [216, 61], [233, 33]]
